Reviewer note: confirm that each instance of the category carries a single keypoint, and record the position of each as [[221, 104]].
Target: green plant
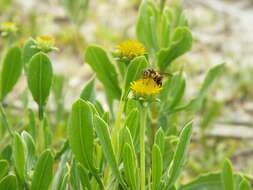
[[140, 143]]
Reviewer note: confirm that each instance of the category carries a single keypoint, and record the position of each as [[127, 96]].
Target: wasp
[[157, 76]]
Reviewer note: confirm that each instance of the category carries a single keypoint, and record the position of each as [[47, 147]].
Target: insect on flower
[[157, 76], [150, 83], [145, 87]]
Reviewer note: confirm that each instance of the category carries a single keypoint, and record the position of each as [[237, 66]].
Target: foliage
[[128, 142]]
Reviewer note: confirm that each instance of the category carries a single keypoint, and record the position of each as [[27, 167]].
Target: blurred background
[[222, 31]]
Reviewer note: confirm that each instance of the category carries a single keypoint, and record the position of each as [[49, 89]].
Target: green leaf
[[130, 166], [157, 167], [132, 104], [101, 128], [124, 138], [31, 155], [180, 44], [160, 140], [177, 89], [84, 178], [61, 178], [227, 176], [4, 167], [64, 183], [99, 107], [244, 185], [196, 103], [32, 127], [166, 27], [147, 24], [28, 51], [133, 122], [180, 155], [212, 74], [8, 183], [80, 133], [134, 71], [94, 109], [105, 71], [106, 117], [40, 77], [210, 181], [11, 71], [74, 176], [210, 77], [122, 67], [19, 156], [6, 153], [88, 93], [179, 16], [169, 147], [43, 173], [4, 121]]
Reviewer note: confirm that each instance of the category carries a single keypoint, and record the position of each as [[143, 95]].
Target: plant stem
[[142, 147], [41, 112], [153, 115], [41, 137], [62, 150]]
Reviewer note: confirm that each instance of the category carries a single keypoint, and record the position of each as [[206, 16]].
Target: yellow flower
[[145, 87], [45, 43], [7, 28], [8, 24], [130, 48]]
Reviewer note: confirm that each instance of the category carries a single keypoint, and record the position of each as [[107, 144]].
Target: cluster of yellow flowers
[[127, 49], [43, 43], [144, 87]]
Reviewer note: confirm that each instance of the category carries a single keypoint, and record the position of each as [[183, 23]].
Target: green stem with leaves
[[142, 146]]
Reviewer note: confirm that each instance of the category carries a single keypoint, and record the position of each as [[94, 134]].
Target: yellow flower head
[[145, 87], [8, 24], [45, 43], [8, 28], [45, 40], [130, 48]]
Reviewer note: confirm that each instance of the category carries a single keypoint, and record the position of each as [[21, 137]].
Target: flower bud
[[8, 28], [45, 43]]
